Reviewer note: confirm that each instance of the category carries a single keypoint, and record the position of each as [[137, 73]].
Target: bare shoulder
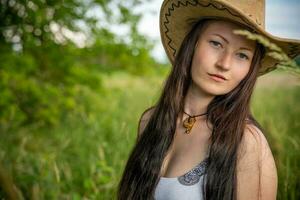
[[256, 169], [144, 120], [253, 141]]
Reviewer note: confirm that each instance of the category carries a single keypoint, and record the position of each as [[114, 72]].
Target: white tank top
[[185, 187]]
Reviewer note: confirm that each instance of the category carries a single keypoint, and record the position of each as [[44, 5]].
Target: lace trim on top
[[193, 176]]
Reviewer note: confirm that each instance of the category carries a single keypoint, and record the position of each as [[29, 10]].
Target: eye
[[243, 56], [215, 43]]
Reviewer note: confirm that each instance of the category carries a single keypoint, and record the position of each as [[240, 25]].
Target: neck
[[196, 101]]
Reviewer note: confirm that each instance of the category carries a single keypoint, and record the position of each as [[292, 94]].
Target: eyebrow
[[228, 42]]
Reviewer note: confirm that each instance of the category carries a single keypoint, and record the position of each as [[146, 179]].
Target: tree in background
[[44, 73]]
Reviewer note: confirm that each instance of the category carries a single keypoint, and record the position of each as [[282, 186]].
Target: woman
[[200, 140]]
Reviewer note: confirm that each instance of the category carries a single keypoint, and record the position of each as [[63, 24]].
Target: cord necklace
[[189, 122]]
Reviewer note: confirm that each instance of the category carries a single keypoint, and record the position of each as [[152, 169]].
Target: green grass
[[84, 157], [278, 111]]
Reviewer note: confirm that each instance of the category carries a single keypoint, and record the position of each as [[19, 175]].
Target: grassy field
[[83, 158]]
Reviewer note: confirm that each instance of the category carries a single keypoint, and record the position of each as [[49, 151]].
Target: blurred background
[[75, 77]]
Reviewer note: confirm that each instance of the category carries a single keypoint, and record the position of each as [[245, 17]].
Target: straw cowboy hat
[[175, 14]]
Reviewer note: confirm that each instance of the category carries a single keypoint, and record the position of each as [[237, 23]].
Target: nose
[[224, 61]]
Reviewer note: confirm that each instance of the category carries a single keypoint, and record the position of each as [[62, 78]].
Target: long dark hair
[[142, 171]]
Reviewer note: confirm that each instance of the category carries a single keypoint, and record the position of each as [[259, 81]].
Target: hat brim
[[174, 25]]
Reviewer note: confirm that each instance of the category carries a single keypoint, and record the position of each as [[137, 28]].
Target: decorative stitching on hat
[[193, 3], [258, 22], [268, 69], [293, 50], [168, 14]]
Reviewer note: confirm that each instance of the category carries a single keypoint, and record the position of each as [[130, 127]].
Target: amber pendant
[[188, 123]]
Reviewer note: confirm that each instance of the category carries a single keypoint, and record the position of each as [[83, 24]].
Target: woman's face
[[219, 52]]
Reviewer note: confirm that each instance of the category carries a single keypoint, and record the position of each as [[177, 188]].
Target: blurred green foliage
[[83, 157], [43, 74], [68, 115], [53, 98]]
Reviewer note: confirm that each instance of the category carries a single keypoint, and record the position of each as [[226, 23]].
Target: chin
[[217, 93], [215, 90]]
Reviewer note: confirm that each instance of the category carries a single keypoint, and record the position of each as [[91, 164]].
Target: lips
[[218, 76]]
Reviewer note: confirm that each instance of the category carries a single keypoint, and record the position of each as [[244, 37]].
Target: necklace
[[189, 122]]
